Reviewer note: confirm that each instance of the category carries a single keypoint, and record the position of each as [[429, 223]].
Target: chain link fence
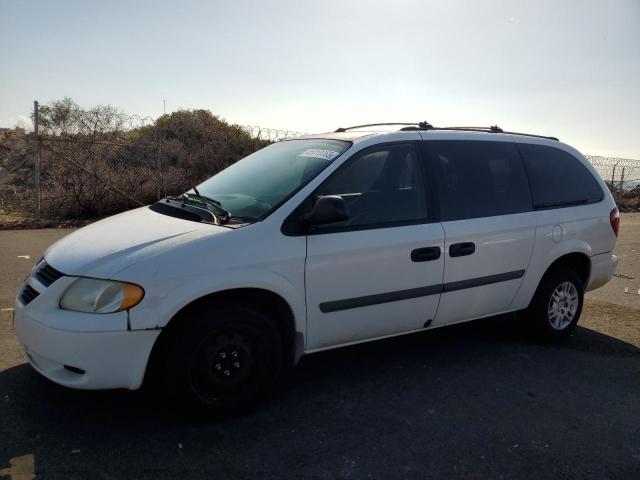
[[94, 163], [90, 164], [622, 176], [98, 176]]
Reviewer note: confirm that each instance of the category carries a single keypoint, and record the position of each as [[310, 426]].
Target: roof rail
[[534, 135], [421, 125], [428, 126], [493, 129]]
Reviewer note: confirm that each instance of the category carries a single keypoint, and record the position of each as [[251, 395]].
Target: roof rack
[[427, 126], [422, 125], [493, 129]]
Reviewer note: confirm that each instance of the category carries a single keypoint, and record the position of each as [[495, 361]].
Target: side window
[[383, 186], [479, 179], [558, 178]]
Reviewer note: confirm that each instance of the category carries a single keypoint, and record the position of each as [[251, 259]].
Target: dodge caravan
[[318, 242]]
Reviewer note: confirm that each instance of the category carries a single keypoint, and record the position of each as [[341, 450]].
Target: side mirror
[[329, 209]]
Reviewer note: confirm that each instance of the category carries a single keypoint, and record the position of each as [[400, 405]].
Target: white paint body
[[178, 261]]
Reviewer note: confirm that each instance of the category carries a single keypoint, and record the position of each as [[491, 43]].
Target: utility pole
[[36, 160]]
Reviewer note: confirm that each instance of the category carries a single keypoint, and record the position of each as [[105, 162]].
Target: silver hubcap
[[563, 305]]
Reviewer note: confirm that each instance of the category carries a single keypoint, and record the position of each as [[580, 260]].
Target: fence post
[[159, 176], [158, 170], [613, 183], [613, 175], [36, 160]]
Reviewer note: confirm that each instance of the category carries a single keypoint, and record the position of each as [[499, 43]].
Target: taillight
[[614, 218]]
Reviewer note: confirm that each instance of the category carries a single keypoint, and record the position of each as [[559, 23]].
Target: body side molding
[[398, 295], [478, 282]]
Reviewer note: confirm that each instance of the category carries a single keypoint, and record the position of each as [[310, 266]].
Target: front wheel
[[222, 361], [557, 304]]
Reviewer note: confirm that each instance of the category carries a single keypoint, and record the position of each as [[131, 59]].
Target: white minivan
[[315, 243]]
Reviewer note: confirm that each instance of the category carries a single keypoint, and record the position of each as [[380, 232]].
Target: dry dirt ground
[[473, 401], [615, 308]]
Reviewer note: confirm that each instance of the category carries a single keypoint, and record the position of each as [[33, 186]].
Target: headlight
[[91, 295]]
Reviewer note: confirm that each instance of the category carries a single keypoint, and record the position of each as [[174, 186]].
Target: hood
[[106, 247]]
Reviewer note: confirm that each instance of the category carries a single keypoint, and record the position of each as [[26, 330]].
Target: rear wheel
[[557, 304], [223, 360]]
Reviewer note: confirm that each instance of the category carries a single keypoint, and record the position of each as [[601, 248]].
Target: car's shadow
[[479, 400]]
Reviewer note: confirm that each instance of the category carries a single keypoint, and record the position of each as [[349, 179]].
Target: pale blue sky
[[564, 68]]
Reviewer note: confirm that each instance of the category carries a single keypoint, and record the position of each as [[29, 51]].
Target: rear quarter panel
[[576, 229]]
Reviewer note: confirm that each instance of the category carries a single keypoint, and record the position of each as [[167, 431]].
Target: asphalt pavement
[[473, 401]]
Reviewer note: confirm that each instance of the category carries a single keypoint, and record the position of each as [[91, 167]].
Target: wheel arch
[[269, 302], [576, 261]]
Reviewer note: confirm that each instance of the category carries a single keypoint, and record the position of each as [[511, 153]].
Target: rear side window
[[558, 178], [479, 179]]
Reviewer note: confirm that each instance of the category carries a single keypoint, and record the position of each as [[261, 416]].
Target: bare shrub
[[100, 161]]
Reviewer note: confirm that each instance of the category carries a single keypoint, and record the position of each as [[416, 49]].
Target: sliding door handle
[[425, 254], [461, 249]]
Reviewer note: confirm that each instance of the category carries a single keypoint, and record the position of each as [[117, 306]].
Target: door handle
[[425, 254], [461, 249]]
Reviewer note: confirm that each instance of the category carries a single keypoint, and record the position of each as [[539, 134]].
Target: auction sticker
[[319, 153]]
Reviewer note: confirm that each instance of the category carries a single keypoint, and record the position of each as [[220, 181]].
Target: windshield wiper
[[199, 195], [222, 214]]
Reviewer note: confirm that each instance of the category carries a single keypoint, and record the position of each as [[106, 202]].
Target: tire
[[221, 361], [557, 304]]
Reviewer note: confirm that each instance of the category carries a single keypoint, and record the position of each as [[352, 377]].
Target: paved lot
[[472, 401]]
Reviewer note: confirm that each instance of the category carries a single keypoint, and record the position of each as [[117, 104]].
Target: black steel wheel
[[223, 360]]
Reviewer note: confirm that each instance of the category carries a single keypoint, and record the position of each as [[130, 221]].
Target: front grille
[[46, 274], [28, 294]]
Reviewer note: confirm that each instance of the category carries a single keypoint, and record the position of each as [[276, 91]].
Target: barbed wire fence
[[622, 176], [136, 174], [102, 162], [98, 163], [271, 134]]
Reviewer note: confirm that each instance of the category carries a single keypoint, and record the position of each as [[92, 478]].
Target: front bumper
[[98, 360]]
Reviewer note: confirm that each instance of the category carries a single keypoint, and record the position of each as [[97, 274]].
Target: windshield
[[255, 185]]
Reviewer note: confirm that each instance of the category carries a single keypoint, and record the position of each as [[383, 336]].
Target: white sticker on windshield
[[318, 153]]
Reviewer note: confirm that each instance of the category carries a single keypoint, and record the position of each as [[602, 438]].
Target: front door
[[380, 272]]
